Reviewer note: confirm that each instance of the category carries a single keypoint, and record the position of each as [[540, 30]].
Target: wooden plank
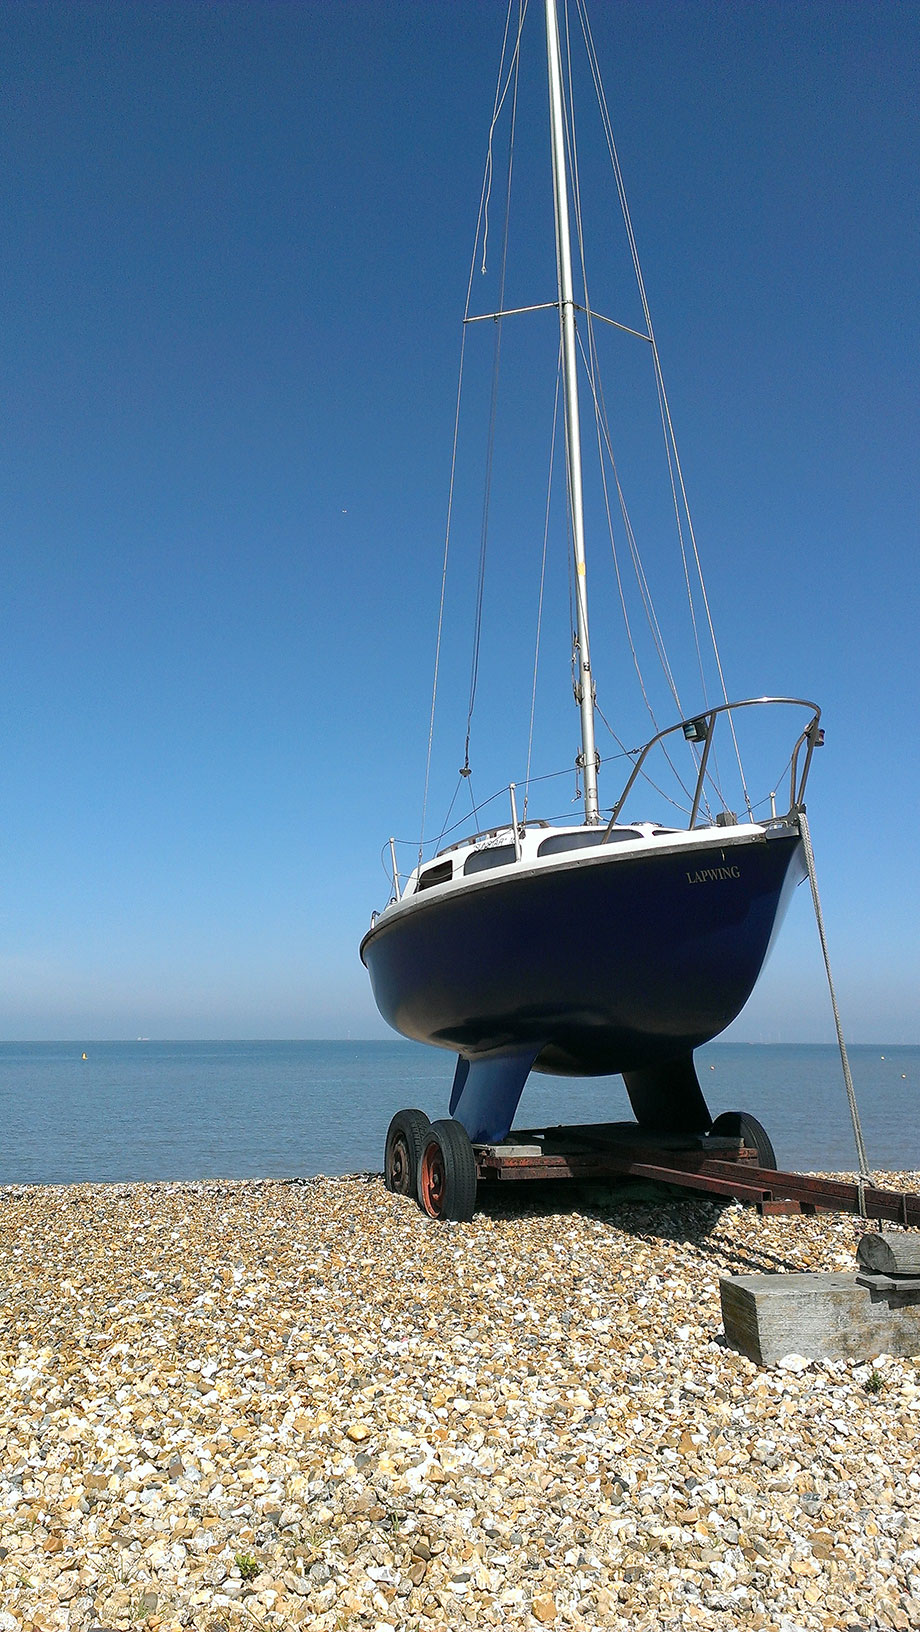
[[615, 1165], [609, 1153]]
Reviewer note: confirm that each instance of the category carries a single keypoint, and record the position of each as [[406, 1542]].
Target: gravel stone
[[284, 1404]]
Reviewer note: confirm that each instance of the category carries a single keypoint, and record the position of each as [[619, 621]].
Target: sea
[[114, 1112]]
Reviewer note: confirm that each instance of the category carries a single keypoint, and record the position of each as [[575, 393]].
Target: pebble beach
[[276, 1404]]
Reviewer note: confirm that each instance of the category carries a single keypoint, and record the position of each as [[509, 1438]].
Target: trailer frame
[[719, 1167]]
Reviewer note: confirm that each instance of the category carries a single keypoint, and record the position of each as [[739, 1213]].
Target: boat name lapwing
[[708, 875]]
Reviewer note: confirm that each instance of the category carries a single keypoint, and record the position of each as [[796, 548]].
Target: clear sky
[[235, 246]]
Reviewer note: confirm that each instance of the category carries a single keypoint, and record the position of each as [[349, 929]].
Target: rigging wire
[[508, 82], [547, 776], [670, 440], [602, 430], [603, 433], [605, 445], [555, 776], [500, 793], [498, 104], [640, 282], [601, 426], [481, 218], [536, 653], [449, 812], [630, 753], [493, 409]]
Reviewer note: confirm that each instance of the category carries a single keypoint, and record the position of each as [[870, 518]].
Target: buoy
[[84, 1056]]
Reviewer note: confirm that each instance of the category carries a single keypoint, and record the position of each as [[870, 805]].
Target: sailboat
[[599, 947]]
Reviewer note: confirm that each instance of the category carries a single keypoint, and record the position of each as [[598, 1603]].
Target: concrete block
[[819, 1316]]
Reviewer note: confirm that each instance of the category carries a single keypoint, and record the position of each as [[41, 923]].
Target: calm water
[[248, 1110]]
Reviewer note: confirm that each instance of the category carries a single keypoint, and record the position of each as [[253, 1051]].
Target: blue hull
[[608, 965]]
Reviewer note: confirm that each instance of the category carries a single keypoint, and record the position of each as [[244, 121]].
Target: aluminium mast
[[584, 686]]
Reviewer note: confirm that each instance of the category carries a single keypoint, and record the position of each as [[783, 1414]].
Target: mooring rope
[[865, 1177]]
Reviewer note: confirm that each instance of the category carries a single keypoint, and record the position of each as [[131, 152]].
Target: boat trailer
[[436, 1162], [715, 1166]]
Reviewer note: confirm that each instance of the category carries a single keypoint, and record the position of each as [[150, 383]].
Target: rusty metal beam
[[694, 1170]]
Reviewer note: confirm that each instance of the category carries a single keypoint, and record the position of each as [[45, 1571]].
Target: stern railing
[[700, 728], [696, 729]]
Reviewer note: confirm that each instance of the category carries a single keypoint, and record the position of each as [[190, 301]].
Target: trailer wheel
[[447, 1173], [739, 1125], [405, 1138]]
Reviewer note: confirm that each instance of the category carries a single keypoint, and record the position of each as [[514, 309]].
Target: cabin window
[[440, 874], [583, 841], [501, 855]]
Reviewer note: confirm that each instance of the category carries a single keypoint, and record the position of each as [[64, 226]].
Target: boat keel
[[487, 1091], [668, 1098]]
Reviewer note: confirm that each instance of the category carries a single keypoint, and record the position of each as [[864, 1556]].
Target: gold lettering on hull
[[710, 875]]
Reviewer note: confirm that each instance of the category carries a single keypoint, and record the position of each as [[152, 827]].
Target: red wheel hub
[[431, 1180]]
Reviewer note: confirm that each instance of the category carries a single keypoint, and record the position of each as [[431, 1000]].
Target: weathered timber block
[[819, 1316], [908, 1284], [886, 1252]]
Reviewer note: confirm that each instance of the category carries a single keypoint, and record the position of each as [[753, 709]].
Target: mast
[[584, 685]]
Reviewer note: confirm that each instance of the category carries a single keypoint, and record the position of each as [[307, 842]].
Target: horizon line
[[407, 1042]]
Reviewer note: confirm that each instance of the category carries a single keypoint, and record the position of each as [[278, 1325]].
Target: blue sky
[[235, 250]]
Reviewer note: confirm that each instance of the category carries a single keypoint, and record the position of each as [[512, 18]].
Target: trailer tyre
[[739, 1125], [405, 1139], [447, 1173]]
